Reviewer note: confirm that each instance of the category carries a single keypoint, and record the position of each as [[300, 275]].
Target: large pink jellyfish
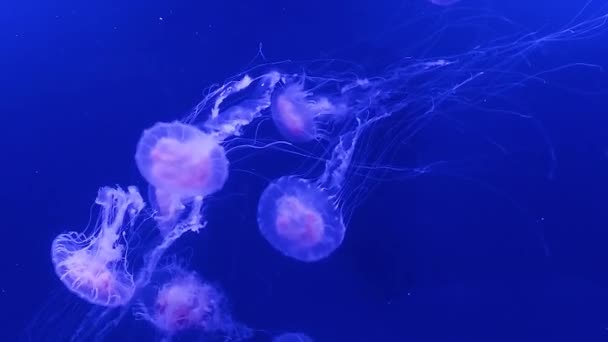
[[180, 162], [94, 266], [184, 302]]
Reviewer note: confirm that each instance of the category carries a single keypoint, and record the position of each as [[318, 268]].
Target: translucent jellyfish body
[[183, 302], [295, 111], [94, 267], [298, 219], [180, 162]]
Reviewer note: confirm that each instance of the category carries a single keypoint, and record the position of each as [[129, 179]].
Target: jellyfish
[[180, 162], [94, 266], [298, 218], [292, 337], [179, 301], [302, 218], [296, 111]]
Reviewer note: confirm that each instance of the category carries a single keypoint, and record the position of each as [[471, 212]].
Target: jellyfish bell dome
[[88, 275], [181, 159], [298, 219]]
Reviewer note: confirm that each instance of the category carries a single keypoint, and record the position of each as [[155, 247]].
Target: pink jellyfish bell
[[180, 162], [297, 218], [297, 112], [183, 302], [94, 267]]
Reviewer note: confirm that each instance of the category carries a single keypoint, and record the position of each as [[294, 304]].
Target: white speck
[[161, 18]]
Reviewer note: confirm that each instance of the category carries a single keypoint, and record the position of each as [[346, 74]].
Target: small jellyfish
[[180, 162], [297, 217], [292, 337], [303, 218], [181, 302], [295, 111], [94, 266]]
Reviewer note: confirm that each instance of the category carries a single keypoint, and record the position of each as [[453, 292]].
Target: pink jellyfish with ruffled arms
[[94, 266]]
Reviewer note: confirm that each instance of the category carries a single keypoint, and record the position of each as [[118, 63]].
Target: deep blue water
[[500, 243]]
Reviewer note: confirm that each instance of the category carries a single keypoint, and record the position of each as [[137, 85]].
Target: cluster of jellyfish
[[302, 217]]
